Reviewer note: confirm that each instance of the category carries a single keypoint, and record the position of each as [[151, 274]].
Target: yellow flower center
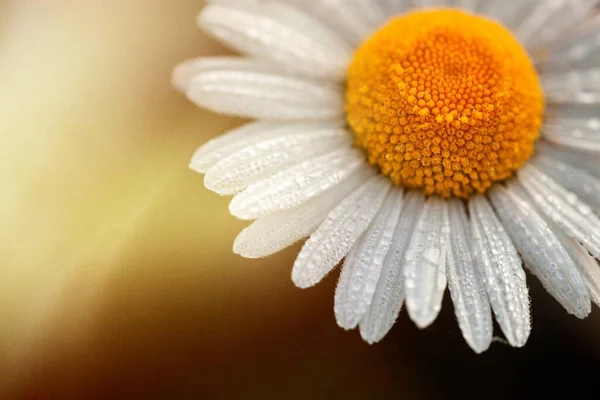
[[444, 101]]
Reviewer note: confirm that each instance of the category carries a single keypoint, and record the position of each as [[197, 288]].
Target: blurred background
[[117, 279]]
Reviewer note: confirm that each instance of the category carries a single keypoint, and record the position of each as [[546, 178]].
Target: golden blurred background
[[117, 279]]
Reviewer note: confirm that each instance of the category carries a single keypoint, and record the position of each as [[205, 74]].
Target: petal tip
[[518, 340], [345, 325], [423, 324], [244, 251], [198, 163], [419, 317], [370, 337], [345, 320], [302, 281], [195, 167], [237, 211], [204, 16], [421, 321], [583, 313], [181, 77], [480, 346], [213, 183], [305, 275]]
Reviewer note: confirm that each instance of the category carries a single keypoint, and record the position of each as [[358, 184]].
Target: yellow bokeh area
[[117, 276], [100, 216]]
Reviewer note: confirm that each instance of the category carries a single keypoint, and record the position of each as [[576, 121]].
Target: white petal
[[471, 303], [363, 264], [234, 3], [581, 49], [237, 139], [576, 87], [229, 143], [392, 7], [582, 141], [563, 207], [281, 34], [578, 115], [501, 271], [541, 251], [184, 73], [352, 19], [590, 271], [579, 133], [293, 186], [578, 181], [550, 20], [425, 263], [275, 232], [578, 159], [263, 95], [389, 294], [535, 19], [265, 157], [587, 265], [371, 11], [510, 14], [337, 234], [469, 5], [432, 3]]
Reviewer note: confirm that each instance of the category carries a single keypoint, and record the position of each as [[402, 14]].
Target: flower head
[[423, 147], [444, 101]]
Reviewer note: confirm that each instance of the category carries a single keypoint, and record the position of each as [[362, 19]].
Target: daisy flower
[[419, 144]]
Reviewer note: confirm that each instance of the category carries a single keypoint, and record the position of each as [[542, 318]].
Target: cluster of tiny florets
[[445, 102]]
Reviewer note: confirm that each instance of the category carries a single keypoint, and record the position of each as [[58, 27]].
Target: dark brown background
[[117, 279]]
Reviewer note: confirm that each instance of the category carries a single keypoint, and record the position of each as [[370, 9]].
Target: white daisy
[[423, 147]]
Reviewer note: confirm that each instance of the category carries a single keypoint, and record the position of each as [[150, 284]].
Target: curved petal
[[363, 264], [578, 159], [578, 181], [261, 95], [536, 18], [588, 267], [185, 72], [582, 134], [296, 185], [389, 294], [279, 33], [391, 7], [581, 50], [501, 271], [471, 304], [221, 147], [352, 19], [337, 234], [265, 158], [562, 207], [578, 114], [275, 232], [432, 3], [425, 263], [541, 251], [510, 14], [232, 141], [551, 19], [572, 87], [469, 5]]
